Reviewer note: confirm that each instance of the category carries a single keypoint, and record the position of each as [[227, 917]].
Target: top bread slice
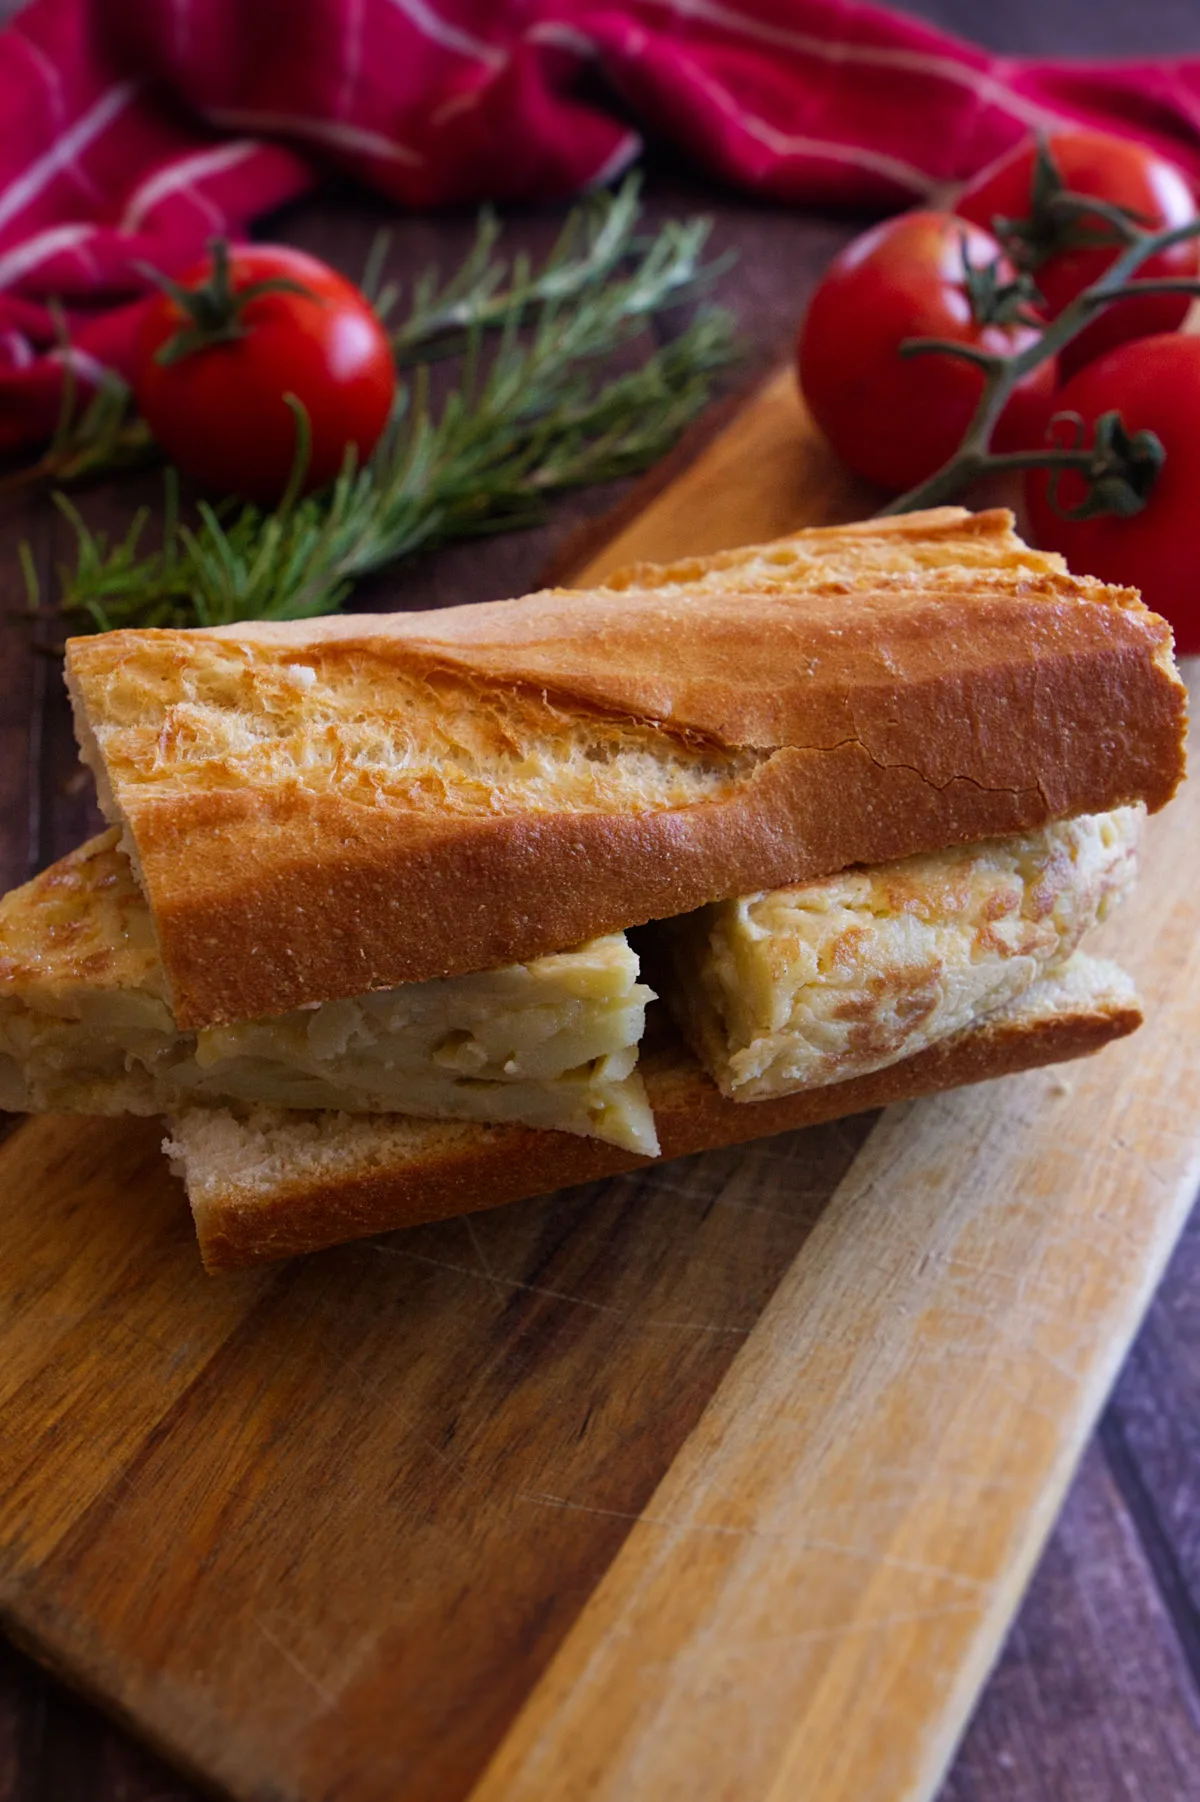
[[319, 808]]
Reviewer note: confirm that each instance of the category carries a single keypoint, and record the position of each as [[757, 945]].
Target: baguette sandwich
[[369, 917]]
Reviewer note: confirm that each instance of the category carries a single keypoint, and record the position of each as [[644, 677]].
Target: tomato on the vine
[[1013, 197], [220, 349], [1154, 383], [895, 420]]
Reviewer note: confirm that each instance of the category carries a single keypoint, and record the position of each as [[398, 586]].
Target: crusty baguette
[[323, 807], [274, 1184]]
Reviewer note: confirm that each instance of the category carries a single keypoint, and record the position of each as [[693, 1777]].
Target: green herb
[[596, 242], [102, 434], [540, 415]]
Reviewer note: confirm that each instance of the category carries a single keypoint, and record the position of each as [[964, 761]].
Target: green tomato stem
[[1002, 375]]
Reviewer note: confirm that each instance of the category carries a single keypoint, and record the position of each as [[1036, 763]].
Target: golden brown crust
[[879, 699], [933, 538], [471, 1168]]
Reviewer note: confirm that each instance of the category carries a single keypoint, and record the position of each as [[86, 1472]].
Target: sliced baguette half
[[272, 1184], [324, 807]]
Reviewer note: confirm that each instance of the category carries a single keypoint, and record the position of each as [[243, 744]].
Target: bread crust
[[874, 716], [468, 1168]]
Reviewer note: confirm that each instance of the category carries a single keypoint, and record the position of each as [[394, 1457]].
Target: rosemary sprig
[[539, 416], [531, 428], [597, 239]]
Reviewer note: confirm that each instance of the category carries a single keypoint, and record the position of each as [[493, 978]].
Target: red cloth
[[137, 129]]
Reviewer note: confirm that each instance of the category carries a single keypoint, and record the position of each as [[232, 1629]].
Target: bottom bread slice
[[273, 1183]]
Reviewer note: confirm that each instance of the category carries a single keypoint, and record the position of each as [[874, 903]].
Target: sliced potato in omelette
[[831, 979], [85, 1026], [785, 990]]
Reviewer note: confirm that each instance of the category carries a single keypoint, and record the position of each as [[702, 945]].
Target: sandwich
[[385, 901]]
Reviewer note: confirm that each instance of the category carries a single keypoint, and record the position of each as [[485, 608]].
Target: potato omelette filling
[[85, 1026], [826, 980], [785, 990]]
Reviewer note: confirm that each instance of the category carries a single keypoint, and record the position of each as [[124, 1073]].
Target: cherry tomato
[[896, 420], [217, 406], [1154, 383], [1112, 169]]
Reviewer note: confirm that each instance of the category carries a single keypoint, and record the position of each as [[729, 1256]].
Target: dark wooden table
[[1097, 1695]]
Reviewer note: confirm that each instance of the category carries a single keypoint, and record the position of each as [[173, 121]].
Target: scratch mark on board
[[795, 1542], [378, 1394], [477, 1246], [579, 1301], [300, 1669]]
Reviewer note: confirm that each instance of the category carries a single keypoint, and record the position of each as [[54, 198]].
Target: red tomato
[[218, 410], [1154, 384], [1112, 169], [896, 420]]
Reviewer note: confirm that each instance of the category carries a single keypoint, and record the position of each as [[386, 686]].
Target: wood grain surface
[[1095, 1698], [376, 1428]]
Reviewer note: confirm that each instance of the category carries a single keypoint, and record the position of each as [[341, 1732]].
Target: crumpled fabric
[[136, 130]]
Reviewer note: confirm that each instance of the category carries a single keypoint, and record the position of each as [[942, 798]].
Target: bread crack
[[883, 763]]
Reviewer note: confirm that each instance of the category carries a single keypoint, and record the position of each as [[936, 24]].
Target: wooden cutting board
[[716, 1482]]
